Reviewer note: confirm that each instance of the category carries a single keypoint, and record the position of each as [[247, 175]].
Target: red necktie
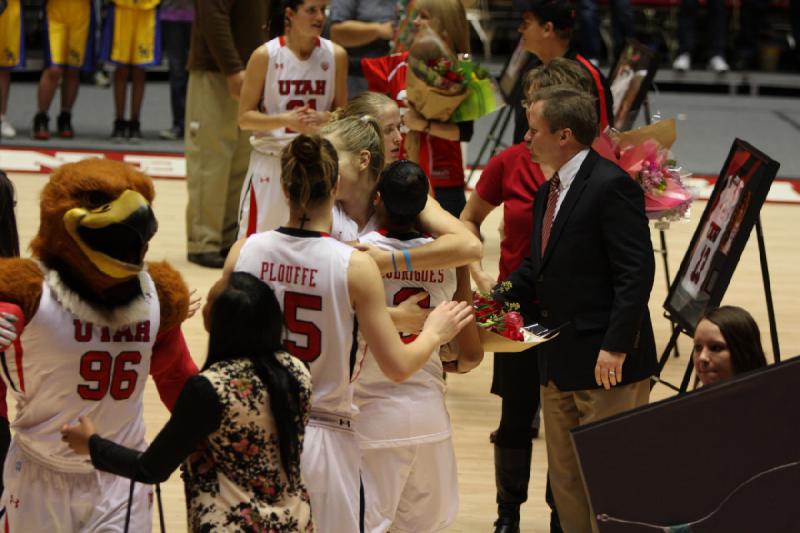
[[550, 211]]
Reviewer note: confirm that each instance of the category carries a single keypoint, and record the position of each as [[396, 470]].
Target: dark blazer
[[594, 279]]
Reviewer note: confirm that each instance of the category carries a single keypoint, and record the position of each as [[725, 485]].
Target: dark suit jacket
[[594, 279]]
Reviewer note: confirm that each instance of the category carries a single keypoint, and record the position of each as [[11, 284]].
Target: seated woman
[[238, 425], [726, 342]]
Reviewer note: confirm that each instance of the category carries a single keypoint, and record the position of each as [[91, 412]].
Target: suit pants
[[566, 410], [217, 155]]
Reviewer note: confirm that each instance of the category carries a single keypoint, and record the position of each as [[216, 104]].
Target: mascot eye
[[95, 199]]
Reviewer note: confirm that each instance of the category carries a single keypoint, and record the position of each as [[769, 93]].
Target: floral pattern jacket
[[235, 480]]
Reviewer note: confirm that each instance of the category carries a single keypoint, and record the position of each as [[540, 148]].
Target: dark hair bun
[[306, 149]]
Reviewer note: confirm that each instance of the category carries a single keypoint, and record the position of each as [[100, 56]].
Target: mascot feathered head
[[96, 223]]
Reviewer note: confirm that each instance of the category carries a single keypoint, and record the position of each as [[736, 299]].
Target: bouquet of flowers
[[442, 87], [644, 154], [501, 326], [404, 33]]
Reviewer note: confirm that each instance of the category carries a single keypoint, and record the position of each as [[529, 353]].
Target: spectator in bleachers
[[11, 43], [130, 41], [68, 48], [589, 27], [364, 28], [547, 28], [753, 23], [176, 25], [717, 24]]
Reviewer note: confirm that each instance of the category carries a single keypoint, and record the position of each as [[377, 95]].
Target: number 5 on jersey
[[293, 302]]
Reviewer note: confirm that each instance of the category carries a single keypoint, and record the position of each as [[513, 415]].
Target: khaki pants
[[563, 411], [217, 155]]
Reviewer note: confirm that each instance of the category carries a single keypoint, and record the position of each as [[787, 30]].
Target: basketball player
[[408, 465], [131, 40], [290, 85], [328, 292], [359, 143], [69, 48]]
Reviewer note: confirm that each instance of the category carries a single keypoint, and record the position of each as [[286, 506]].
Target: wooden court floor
[[473, 410]]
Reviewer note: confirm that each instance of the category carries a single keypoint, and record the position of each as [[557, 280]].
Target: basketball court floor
[[706, 128]]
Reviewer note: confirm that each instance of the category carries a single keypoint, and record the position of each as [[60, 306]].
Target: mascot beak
[[114, 236]]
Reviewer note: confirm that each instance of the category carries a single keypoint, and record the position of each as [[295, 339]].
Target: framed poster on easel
[[630, 80], [732, 211]]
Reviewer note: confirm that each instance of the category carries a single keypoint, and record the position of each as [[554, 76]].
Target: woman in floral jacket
[[238, 426]]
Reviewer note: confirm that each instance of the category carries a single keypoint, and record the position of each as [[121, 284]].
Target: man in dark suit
[[589, 272]]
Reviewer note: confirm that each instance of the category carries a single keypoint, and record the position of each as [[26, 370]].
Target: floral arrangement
[[501, 326], [644, 154], [501, 318], [442, 86]]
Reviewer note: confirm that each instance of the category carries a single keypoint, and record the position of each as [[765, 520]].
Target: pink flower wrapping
[[644, 154]]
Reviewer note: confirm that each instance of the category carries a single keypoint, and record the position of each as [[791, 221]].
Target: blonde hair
[[449, 18], [560, 71], [358, 133], [309, 170], [366, 103]]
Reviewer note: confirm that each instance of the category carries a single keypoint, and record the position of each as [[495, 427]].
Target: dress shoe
[[207, 259]]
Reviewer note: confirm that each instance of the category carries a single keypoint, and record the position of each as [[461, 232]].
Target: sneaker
[[134, 132], [41, 126], [64, 123], [101, 79], [718, 64], [682, 62], [7, 131], [173, 134], [120, 132]]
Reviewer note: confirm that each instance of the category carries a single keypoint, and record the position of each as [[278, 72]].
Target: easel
[[662, 234], [515, 67], [773, 327]]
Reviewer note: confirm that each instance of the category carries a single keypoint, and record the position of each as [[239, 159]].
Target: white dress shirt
[[567, 175]]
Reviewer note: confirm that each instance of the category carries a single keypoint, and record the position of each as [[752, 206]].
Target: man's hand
[[608, 370], [235, 82]]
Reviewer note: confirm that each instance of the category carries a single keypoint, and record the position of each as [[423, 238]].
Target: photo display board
[[630, 80], [724, 458], [721, 235]]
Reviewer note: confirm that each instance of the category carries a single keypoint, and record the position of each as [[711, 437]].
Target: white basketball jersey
[[389, 413], [292, 83], [67, 367], [345, 229], [307, 270]]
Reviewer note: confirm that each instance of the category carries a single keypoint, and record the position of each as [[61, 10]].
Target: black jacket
[[594, 279]]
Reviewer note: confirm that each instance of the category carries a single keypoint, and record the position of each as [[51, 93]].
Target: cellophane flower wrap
[[644, 154], [501, 318], [404, 32]]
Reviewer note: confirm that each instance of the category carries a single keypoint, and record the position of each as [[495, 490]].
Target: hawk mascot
[[92, 320]]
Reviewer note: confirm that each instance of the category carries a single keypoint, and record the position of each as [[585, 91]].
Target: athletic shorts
[[12, 37], [40, 499], [262, 204], [132, 36], [410, 489], [329, 465], [69, 34]]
